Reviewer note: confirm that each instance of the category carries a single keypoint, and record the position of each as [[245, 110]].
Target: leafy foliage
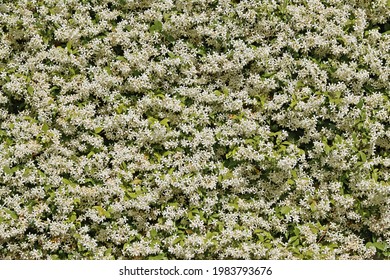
[[199, 130]]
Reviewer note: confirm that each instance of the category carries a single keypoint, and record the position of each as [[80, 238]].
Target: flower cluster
[[172, 129]]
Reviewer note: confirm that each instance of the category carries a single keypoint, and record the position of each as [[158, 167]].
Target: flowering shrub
[[194, 129]]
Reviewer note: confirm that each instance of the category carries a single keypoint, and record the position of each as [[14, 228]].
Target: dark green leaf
[[360, 104]]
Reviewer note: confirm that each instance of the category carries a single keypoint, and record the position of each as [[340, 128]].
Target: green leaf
[[167, 153], [363, 156], [313, 229], [202, 51], [98, 130], [290, 181], [69, 46], [210, 235], [8, 170], [153, 233], [30, 89], [174, 204], [294, 174], [156, 27], [126, 245], [338, 139], [45, 127], [102, 211], [172, 55], [54, 257], [136, 181], [30, 119], [121, 58], [231, 153], [132, 194], [128, 27], [90, 154], [382, 246], [158, 257], [300, 84], [285, 210], [327, 149], [31, 204], [282, 148], [165, 122], [360, 104], [374, 175], [72, 71], [27, 171], [313, 206], [11, 213], [177, 240], [68, 182], [292, 239], [72, 218], [268, 75], [225, 91], [228, 175], [234, 204], [217, 92], [108, 252], [108, 70], [152, 120]]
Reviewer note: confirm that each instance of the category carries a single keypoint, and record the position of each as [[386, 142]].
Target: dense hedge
[[194, 129]]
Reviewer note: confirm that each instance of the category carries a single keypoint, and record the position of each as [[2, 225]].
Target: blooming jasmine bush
[[194, 129]]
